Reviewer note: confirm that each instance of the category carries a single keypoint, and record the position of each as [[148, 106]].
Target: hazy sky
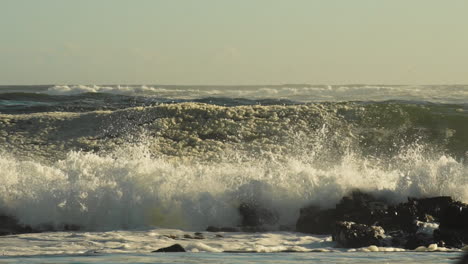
[[233, 42]]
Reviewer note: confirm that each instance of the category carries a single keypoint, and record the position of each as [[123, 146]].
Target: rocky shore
[[357, 220], [361, 220]]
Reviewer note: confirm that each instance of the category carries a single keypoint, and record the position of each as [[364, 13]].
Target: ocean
[[140, 167]]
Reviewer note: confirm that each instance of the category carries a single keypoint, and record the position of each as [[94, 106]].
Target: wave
[[190, 165], [300, 93], [130, 188], [304, 93]]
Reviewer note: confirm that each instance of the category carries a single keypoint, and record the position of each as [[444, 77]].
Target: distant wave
[[300, 93]]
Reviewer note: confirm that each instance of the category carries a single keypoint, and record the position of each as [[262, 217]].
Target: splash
[[130, 188], [191, 165]]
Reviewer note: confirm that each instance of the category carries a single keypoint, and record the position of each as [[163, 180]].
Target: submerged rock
[[173, 248], [352, 235]]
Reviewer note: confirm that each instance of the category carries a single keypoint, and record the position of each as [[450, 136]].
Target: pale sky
[[233, 42]]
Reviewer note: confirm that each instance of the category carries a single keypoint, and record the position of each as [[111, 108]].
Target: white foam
[[149, 240], [426, 228], [130, 188]]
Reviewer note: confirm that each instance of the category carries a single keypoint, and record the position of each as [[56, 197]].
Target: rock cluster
[[360, 219]]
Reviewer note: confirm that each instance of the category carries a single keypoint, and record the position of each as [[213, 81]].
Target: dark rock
[[286, 228], [173, 248], [418, 239], [451, 237], [314, 220], [356, 207], [213, 229], [198, 235], [253, 229], [10, 226], [360, 207], [401, 217], [253, 214], [352, 235], [399, 221], [434, 206], [222, 229], [455, 216], [71, 227], [195, 236]]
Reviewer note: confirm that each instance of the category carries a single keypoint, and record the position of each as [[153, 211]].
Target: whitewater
[[140, 167]]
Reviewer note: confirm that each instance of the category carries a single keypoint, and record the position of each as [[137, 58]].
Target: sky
[[233, 42]]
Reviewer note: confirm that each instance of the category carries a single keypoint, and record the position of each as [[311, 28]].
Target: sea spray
[[190, 165], [130, 188]]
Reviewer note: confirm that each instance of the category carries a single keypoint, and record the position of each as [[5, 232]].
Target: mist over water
[[189, 165]]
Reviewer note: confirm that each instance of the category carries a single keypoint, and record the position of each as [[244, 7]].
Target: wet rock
[[452, 238], [417, 240], [222, 229], [361, 207], [253, 229], [198, 235], [195, 236], [352, 235], [173, 248], [286, 228], [314, 220], [254, 214], [410, 224], [455, 216], [434, 206], [71, 227], [10, 226]]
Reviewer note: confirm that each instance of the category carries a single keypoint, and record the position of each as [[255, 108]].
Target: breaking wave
[[189, 165]]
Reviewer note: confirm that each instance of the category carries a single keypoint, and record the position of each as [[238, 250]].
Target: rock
[[352, 235], [71, 227], [253, 214], [197, 235], [222, 229], [360, 207], [451, 237], [410, 224], [173, 248], [10, 226], [253, 229], [434, 206], [286, 228], [314, 220], [455, 216], [417, 240]]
